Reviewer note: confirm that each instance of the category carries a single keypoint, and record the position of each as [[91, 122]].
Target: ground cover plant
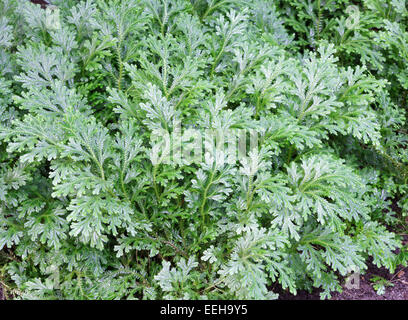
[[91, 205]]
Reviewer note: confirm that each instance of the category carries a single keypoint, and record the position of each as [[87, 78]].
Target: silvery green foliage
[[90, 210]]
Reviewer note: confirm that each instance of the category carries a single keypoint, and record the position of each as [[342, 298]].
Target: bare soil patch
[[365, 290], [1, 293]]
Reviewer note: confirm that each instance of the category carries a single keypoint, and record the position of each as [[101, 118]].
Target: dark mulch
[[301, 294], [365, 291], [399, 279], [43, 3], [1, 293]]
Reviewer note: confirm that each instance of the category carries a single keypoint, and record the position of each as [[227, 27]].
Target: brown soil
[[365, 291], [399, 290], [43, 3]]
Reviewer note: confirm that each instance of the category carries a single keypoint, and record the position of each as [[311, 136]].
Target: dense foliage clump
[[90, 208]]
